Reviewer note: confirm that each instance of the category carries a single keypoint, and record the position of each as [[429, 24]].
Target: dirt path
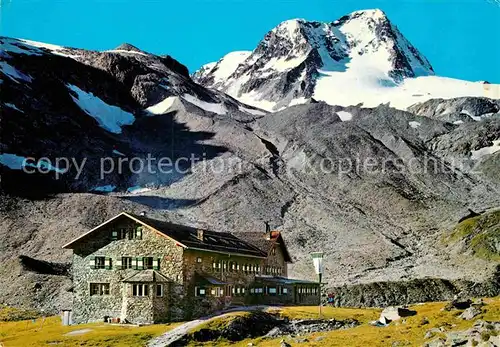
[[177, 333]]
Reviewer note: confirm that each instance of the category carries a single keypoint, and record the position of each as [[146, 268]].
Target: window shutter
[[107, 263], [92, 262], [156, 264], [114, 234], [119, 263]]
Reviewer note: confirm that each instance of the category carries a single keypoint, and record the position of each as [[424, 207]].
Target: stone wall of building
[[88, 308], [237, 271], [275, 263]]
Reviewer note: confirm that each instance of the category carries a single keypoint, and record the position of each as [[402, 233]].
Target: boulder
[[436, 343], [471, 313], [394, 313], [458, 305], [495, 340], [430, 333]]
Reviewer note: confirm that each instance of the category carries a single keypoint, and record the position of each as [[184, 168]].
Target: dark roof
[[212, 241], [265, 241], [207, 280], [283, 280], [188, 237]]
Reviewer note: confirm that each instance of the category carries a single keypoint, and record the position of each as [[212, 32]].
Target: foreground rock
[[482, 334], [395, 313], [308, 326], [471, 313], [258, 324]]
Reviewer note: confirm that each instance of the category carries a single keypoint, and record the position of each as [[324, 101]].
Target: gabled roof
[[186, 237], [266, 241]]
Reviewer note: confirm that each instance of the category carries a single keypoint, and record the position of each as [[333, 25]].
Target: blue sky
[[460, 38]]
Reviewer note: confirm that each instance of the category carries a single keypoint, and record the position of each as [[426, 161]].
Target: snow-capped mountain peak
[[360, 57], [221, 70]]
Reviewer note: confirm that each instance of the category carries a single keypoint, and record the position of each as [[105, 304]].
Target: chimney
[[199, 234], [268, 231]]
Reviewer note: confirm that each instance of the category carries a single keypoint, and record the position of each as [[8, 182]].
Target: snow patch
[[414, 124], [298, 101], [125, 51], [479, 153], [162, 106], [227, 65], [109, 117], [16, 162], [12, 161], [251, 111], [457, 122], [105, 189], [344, 116], [13, 73], [54, 49], [137, 190], [207, 106], [12, 106]]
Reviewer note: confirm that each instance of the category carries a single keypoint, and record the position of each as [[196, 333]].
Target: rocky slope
[[375, 188], [360, 58]]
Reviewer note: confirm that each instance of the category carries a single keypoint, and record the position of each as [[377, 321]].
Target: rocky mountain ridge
[[375, 188], [360, 58]]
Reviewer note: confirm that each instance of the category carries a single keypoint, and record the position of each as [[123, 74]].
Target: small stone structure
[[141, 270]]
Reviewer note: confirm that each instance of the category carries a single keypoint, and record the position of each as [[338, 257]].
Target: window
[[272, 290], [199, 291], [148, 262], [285, 290], [100, 263], [273, 251], [123, 233], [136, 234], [139, 263], [258, 291], [216, 265], [99, 289], [199, 260], [126, 263], [159, 290], [120, 234], [140, 290]]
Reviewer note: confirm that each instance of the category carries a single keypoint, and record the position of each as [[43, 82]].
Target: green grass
[[480, 233], [410, 329], [50, 331]]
